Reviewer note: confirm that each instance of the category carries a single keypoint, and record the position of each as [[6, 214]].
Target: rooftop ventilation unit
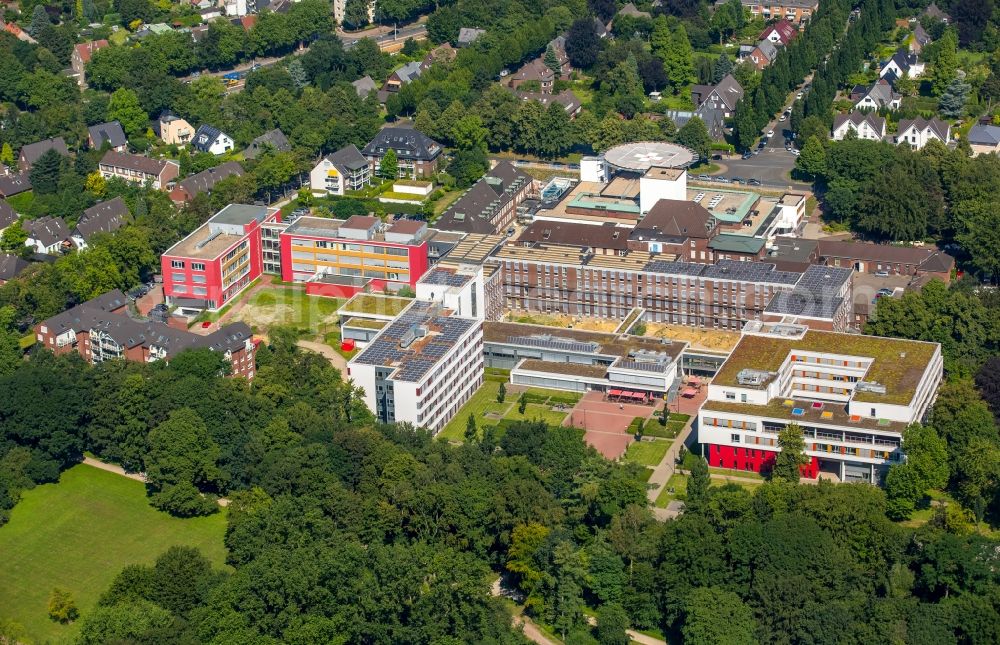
[[870, 386], [752, 377]]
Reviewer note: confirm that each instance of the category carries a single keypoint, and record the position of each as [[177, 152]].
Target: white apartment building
[[852, 395], [422, 367]]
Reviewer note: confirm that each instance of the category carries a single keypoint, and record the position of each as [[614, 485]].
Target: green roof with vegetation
[[365, 303], [365, 323], [898, 364]]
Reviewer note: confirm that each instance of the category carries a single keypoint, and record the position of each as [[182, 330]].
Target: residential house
[[14, 184], [403, 76], [570, 101], [633, 12], [203, 182], [984, 139], [416, 153], [880, 95], [794, 11], [490, 205], [935, 12], [100, 330], [763, 54], [7, 216], [208, 138], [600, 28], [901, 65], [919, 39], [110, 133], [534, 71], [11, 266], [866, 125], [12, 29], [365, 86], [173, 130], [46, 234], [273, 139], [336, 173], [468, 35], [31, 152], [780, 33], [105, 217], [137, 169], [81, 55], [917, 132], [716, 103], [558, 45]]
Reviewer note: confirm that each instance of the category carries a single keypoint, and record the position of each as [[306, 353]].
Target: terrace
[[803, 412], [374, 305]]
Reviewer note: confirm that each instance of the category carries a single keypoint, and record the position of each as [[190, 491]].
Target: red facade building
[[218, 260]]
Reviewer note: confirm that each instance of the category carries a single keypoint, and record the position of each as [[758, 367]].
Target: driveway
[[331, 354], [770, 167]]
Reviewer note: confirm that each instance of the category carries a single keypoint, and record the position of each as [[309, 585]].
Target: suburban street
[[387, 37]]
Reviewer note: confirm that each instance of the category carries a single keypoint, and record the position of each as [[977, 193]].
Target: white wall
[[652, 190]]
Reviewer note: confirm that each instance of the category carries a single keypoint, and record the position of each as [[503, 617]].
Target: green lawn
[[78, 534], [647, 453], [288, 306], [729, 472], [484, 402], [678, 484]]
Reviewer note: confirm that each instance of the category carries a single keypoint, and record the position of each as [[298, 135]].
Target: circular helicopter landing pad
[[640, 156]]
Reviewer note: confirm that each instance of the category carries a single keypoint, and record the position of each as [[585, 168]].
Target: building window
[[734, 438], [177, 264], [197, 266], [730, 396]]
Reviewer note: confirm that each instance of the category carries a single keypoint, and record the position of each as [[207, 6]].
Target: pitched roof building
[[880, 95], [781, 32], [468, 35], [341, 171], [208, 138], [110, 132], [490, 205], [7, 215], [14, 184], [204, 181], [866, 125], [11, 266], [984, 139], [105, 217], [32, 151], [916, 133], [273, 139], [138, 169], [416, 153], [46, 234]]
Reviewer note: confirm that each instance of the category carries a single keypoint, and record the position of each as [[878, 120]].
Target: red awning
[[689, 392], [628, 394], [615, 392], [694, 380], [638, 395]]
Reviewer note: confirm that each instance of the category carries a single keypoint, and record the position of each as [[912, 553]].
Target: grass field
[[676, 488], [78, 534], [647, 453]]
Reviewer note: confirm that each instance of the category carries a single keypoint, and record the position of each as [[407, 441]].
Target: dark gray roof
[[935, 125], [47, 230], [768, 49], [472, 212], [240, 214], [205, 180], [364, 85], [31, 152], [984, 135], [105, 217], [763, 272], [276, 139], [11, 266], [816, 294], [468, 35], [857, 118], [16, 184], [205, 136], [409, 143], [111, 132], [348, 157], [96, 315], [7, 215]]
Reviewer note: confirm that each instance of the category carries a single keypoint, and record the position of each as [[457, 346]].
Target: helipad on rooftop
[[640, 156]]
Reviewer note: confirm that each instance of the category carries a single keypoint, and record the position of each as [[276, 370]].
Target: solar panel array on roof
[[749, 272], [549, 342], [675, 268], [446, 278], [817, 294], [413, 363]]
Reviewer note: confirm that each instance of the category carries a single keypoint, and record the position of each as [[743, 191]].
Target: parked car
[[882, 274], [798, 97], [782, 117], [704, 177], [737, 180], [753, 182], [795, 152], [747, 154], [883, 292], [770, 133]]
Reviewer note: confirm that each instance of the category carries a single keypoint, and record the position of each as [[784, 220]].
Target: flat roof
[[474, 248], [615, 345], [729, 206], [897, 364], [659, 172], [640, 156], [240, 214], [447, 277], [203, 244], [369, 303], [835, 414], [571, 369], [311, 225], [415, 341]]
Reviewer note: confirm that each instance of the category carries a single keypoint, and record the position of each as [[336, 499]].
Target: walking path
[[642, 638], [139, 477], [330, 353]]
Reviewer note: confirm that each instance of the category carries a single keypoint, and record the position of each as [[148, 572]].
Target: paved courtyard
[[606, 422]]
